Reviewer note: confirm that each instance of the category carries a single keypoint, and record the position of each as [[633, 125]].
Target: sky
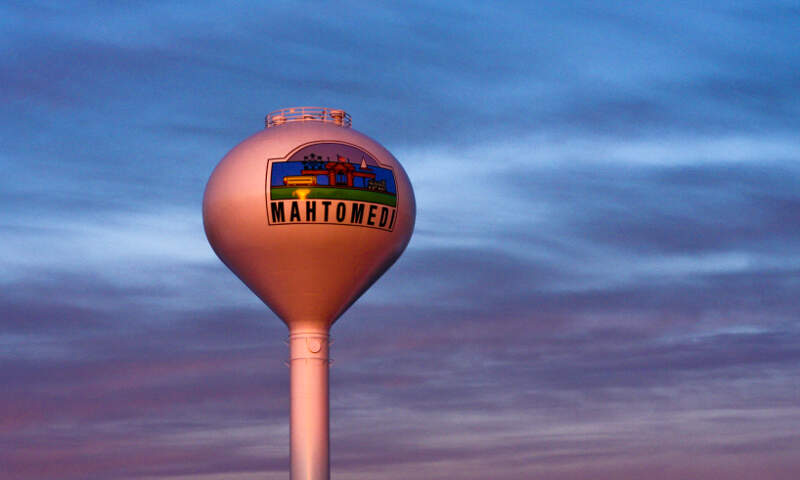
[[603, 281]]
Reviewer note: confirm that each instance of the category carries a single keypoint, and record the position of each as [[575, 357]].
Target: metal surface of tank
[[308, 213]]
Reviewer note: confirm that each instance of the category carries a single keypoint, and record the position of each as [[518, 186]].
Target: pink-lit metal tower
[[308, 213]]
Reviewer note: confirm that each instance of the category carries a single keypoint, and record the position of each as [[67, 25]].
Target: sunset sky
[[603, 282]]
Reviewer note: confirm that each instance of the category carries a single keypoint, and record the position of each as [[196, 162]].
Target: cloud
[[602, 278]]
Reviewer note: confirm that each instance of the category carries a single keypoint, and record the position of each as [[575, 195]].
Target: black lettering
[[295, 215], [277, 212], [391, 224], [384, 217], [340, 211], [371, 215], [311, 211], [357, 215], [326, 204]]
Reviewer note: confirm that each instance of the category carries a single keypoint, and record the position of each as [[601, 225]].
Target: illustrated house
[[342, 172]]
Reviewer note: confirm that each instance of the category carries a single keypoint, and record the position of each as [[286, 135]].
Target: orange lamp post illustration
[[308, 213]]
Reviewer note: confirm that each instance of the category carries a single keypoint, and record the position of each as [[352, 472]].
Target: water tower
[[308, 213]]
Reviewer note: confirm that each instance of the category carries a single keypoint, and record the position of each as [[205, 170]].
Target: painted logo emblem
[[331, 183]]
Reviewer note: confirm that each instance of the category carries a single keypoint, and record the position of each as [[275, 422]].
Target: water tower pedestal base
[[309, 424]]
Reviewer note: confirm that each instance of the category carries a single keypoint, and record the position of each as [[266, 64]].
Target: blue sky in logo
[[331, 152], [602, 283], [282, 169]]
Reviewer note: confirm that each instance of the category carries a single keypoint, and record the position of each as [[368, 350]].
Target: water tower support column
[[309, 424]]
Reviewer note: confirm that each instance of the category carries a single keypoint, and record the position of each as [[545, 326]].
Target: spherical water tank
[[308, 213]]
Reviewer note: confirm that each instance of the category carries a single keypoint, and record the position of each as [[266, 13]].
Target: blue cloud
[[616, 270]]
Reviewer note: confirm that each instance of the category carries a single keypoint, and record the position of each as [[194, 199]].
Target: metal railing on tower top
[[307, 114]]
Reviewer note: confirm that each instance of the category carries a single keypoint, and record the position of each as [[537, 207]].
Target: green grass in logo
[[334, 193]]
